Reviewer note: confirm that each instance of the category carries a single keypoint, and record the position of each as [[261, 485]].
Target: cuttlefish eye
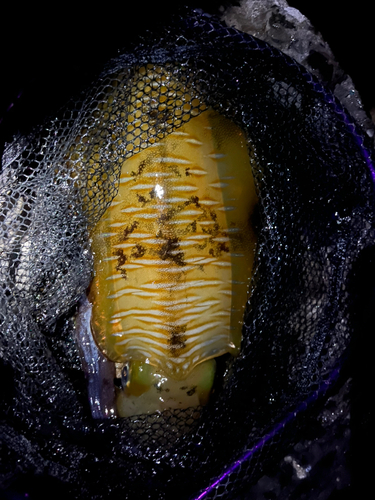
[[173, 259]]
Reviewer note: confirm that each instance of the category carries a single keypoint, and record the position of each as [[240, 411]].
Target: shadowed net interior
[[316, 218]]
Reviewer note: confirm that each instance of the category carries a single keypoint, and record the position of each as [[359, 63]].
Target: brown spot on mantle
[[177, 340], [128, 230], [166, 249], [138, 251], [121, 259]]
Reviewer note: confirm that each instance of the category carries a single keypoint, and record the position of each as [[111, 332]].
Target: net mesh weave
[[316, 217]]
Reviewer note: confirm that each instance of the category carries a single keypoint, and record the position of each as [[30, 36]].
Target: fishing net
[[315, 221]]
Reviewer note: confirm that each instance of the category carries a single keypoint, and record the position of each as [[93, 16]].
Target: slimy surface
[[173, 254]]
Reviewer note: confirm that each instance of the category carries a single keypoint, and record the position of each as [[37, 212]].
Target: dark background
[[50, 46]]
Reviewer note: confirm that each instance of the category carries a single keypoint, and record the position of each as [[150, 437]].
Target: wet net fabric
[[316, 218]]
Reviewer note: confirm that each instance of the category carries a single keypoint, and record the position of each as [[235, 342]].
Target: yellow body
[[173, 254]]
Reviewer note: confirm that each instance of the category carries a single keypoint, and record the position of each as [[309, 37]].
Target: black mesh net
[[316, 218]]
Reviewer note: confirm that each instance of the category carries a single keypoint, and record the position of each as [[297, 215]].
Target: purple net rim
[[320, 392]]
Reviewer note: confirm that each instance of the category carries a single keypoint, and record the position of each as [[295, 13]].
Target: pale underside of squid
[[173, 259]]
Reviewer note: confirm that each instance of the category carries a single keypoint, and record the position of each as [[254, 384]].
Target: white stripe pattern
[[168, 287]]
